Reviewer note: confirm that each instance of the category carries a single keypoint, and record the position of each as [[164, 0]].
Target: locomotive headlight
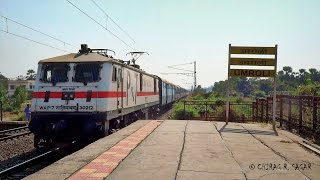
[[53, 126]]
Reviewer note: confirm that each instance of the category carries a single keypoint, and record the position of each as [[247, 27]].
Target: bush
[[233, 116], [260, 94], [20, 96], [178, 111], [7, 107], [239, 100], [307, 89], [220, 102], [19, 117]]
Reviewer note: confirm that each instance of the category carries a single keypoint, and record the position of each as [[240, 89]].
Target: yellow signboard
[[251, 73], [252, 50], [252, 61]]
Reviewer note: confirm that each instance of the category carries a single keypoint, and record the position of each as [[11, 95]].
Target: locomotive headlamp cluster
[[67, 96]]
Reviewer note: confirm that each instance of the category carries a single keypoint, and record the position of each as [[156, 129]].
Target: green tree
[[244, 87], [31, 74], [308, 89], [260, 94], [304, 77], [219, 88], [265, 85], [314, 75], [287, 70], [3, 81], [199, 90], [4, 98], [20, 95], [2, 77], [3, 93], [287, 80]]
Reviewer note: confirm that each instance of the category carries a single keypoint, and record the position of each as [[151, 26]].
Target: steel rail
[[13, 129], [15, 136], [25, 164], [49, 155]]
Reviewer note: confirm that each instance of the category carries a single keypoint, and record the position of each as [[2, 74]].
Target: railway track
[[39, 161], [42, 158], [14, 133]]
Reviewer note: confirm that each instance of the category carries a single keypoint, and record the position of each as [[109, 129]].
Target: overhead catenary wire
[[180, 69], [100, 25], [181, 64], [96, 4], [34, 41], [33, 29]]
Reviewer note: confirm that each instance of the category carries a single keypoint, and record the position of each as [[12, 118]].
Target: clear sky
[[172, 31]]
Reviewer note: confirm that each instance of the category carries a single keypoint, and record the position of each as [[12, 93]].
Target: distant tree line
[[302, 82], [20, 95]]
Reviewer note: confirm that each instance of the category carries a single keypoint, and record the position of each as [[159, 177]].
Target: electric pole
[[195, 75]]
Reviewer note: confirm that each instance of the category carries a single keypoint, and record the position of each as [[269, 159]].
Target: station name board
[[252, 61], [252, 50], [251, 73]]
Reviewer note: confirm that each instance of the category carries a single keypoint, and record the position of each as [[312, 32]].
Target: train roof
[[77, 57], [168, 82], [89, 57]]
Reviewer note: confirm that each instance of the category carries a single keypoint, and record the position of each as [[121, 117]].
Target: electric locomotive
[[86, 94]]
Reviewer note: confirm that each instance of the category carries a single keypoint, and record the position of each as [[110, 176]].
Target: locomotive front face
[[67, 87]]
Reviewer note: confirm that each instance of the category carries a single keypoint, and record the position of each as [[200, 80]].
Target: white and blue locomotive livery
[[87, 93]]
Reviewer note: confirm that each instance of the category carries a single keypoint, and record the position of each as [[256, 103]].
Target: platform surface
[[177, 149]]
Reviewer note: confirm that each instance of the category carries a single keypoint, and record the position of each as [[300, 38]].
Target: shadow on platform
[[244, 131]]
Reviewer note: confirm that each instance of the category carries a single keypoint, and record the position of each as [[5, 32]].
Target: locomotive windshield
[[87, 72], [56, 73]]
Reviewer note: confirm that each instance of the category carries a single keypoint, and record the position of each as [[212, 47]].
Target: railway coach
[[85, 94]]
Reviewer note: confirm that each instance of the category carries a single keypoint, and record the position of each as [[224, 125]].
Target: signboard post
[[274, 103], [250, 72], [228, 87]]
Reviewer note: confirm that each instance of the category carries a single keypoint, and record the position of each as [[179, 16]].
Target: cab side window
[[114, 74], [154, 85], [141, 83]]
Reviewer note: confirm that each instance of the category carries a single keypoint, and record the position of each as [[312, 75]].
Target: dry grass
[[16, 116]]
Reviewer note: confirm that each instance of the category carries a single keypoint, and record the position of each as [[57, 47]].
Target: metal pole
[[267, 110], [315, 114], [262, 107], [228, 88], [281, 111], [275, 91], [289, 115], [1, 110], [195, 75], [300, 114], [184, 110], [206, 110]]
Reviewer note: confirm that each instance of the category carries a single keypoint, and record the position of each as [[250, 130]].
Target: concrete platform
[[177, 149]]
